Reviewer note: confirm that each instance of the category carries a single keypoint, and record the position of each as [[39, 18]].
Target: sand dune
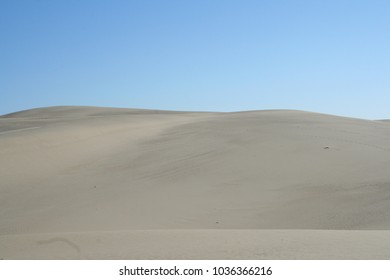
[[86, 182]]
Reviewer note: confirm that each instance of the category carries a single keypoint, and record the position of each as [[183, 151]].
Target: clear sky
[[220, 55]]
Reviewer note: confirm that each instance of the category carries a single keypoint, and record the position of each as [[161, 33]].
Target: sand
[[106, 183]]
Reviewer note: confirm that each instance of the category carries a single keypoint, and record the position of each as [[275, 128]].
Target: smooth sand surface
[[106, 183]]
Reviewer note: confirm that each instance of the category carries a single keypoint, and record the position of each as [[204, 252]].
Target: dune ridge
[[287, 184]]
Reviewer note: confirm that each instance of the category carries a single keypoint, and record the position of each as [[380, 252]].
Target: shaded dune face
[[87, 169]]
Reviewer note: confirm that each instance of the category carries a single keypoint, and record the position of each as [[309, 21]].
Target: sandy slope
[[287, 184]]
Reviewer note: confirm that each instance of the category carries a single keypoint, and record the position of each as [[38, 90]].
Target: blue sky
[[220, 55]]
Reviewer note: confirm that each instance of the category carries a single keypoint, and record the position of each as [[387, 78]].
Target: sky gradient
[[215, 55]]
